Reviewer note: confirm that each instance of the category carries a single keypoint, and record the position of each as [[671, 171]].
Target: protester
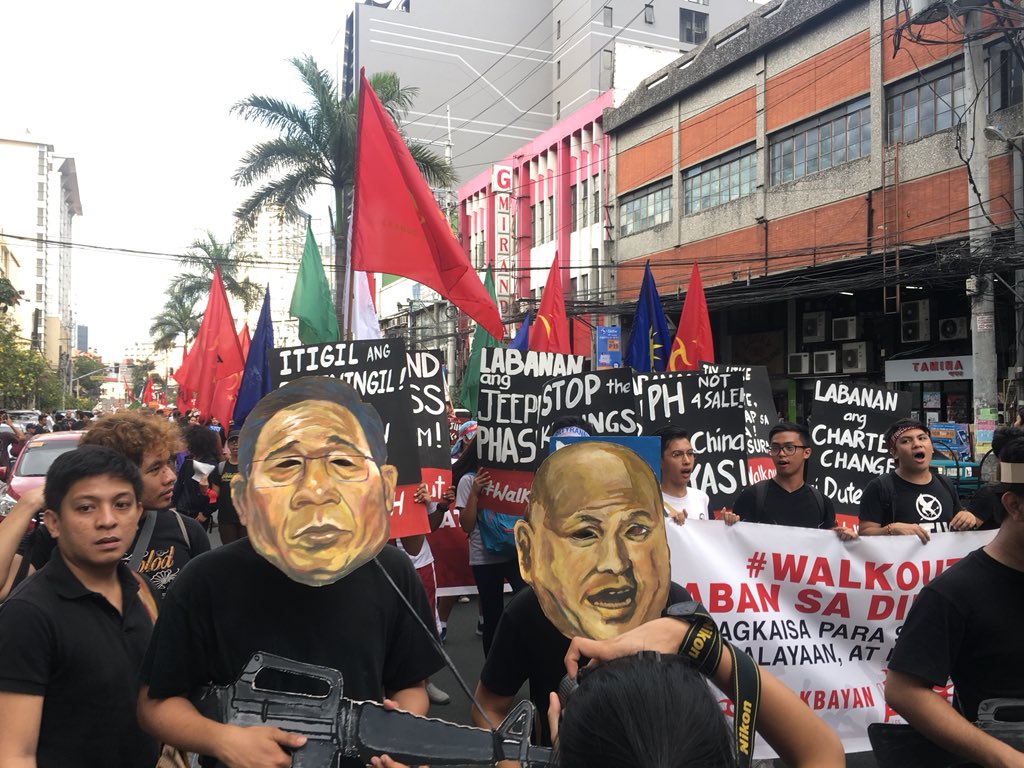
[[677, 463], [73, 637], [197, 475], [639, 712], [314, 580], [490, 569], [173, 539], [593, 548], [786, 499], [966, 626], [228, 523], [912, 501]]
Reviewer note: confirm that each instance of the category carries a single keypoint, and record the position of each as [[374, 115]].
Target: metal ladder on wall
[[891, 230]]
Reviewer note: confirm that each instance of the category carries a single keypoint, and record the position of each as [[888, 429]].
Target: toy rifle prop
[[900, 746], [334, 725]]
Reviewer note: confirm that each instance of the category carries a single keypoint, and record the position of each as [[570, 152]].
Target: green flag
[[481, 338], [311, 299]]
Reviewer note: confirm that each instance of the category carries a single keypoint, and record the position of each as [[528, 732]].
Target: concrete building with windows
[[39, 199], [495, 81], [810, 158]]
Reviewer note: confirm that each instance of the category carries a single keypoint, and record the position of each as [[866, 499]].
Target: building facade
[[811, 159], [39, 199]]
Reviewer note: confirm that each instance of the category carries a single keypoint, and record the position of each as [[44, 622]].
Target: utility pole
[[979, 287]]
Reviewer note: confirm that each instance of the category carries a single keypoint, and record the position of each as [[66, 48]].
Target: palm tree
[[318, 146], [204, 256], [177, 319]]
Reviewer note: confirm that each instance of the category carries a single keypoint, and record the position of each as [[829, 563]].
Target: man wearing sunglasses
[[314, 491], [786, 499]]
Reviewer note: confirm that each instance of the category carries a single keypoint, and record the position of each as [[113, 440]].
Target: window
[[533, 223], [606, 58], [40, 267], [925, 103], [558, 110], [829, 139], [584, 204], [42, 191], [558, 69], [39, 244], [1005, 73], [720, 180], [42, 162], [551, 219], [693, 26], [558, 30], [573, 287], [573, 206], [39, 293], [595, 210], [649, 13], [646, 208], [41, 217], [607, 16], [540, 222], [584, 284]]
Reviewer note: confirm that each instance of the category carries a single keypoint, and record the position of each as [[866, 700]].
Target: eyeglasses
[[687, 454], [784, 450], [291, 470]]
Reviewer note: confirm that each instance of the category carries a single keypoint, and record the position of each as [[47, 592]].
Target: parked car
[[29, 470], [22, 419]]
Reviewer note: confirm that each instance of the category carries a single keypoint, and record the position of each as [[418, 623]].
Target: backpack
[[761, 496], [496, 532], [887, 488]]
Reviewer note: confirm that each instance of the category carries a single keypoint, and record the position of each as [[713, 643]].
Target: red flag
[[549, 332], [244, 340], [397, 227], [147, 391], [213, 369], [162, 398], [128, 392], [693, 344]]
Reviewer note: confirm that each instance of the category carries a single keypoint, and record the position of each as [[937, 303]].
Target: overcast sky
[[139, 95]]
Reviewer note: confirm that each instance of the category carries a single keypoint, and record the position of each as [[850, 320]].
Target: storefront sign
[[930, 369], [504, 256]]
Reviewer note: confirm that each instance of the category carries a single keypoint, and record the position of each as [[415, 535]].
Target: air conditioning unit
[[844, 328], [953, 328], [825, 362], [915, 322], [814, 327], [799, 364], [855, 357]]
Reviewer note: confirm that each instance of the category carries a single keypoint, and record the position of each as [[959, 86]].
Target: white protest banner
[[822, 615]]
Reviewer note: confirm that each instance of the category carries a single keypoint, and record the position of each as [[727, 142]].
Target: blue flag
[[522, 339], [649, 343], [256, 376]]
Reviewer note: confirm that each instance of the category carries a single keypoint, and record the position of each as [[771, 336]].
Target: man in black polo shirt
[[786, 499], [72, 638]]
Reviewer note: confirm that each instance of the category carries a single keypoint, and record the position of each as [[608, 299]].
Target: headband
[[902, 431], [1011, 473], [571, 432]]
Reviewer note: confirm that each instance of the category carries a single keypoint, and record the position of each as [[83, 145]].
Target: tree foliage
[[316, 145], [201, 259], [177, 320], [26, 381]]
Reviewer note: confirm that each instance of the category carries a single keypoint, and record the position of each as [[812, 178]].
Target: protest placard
[[847, 425], [822, 615], [508, 432], [606, 398], [430, 419], [377, 370]]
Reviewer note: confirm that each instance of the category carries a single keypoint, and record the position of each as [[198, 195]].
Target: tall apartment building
[[277, 241], [38, 200]]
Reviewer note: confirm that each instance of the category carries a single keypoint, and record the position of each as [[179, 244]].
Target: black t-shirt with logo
[[931, 506], [225, 506], [799, 509]]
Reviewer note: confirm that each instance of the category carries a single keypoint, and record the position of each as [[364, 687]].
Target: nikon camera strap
[[704, 646]]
